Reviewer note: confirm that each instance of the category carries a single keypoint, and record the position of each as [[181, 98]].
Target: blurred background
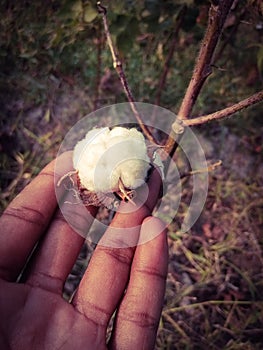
[[56, 68]]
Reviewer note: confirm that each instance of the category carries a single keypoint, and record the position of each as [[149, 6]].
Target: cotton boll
[[134, 133], [97, 135], [105, 157], [120, 134], [134, 173], [95, 153], [83, 147], [119, 131], [130, 162], [106, 178], [101, 178], [78, 150], [86, 154]]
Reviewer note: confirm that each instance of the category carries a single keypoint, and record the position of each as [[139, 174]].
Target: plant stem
[[226, 112], [173, 138], [209, 168], [119, 69], [217, 16], [216, 20]]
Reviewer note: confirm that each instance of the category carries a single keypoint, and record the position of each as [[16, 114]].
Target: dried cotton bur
[[111, 164]]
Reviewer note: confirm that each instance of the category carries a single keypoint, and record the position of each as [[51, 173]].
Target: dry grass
[[214, 287]]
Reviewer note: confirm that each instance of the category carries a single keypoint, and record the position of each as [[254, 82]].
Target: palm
[[34, 315], [41, 319]]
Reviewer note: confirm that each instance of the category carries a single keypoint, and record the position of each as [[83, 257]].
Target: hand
[[131, 280]]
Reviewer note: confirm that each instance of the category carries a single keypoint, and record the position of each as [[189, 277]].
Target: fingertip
[[142, 304], [153, 223], [63, 164], [155, 186], [153, 228], [152, 249]]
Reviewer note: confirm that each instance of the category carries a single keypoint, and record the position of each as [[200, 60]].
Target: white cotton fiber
[[106, 156]]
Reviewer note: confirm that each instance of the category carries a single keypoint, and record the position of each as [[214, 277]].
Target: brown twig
[[169, 57], [117, 64], [99, 44], [217, 15], [226, 112], [216, 20], [205, 170], [223, 113]]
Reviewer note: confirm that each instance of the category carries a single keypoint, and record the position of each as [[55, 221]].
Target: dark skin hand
[[131, 280]]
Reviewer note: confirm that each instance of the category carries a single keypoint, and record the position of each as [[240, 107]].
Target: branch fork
[[203, 68]]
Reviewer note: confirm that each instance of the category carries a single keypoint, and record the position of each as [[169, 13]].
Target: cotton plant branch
[[205, 170], [117, 64], [226, 112], [203, 68], [218, 115], [221, 114]]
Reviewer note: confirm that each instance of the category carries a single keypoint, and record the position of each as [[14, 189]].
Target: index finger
[[109, 267], [138, 316], [26, 218]]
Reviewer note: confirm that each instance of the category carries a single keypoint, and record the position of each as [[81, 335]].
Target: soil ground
[[214, 286]]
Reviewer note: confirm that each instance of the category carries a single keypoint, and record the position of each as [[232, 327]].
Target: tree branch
[[207, 169], [217, 15], [216, 20], [119, 69], [226, 112]]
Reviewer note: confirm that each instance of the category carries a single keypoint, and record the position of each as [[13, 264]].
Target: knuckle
[[27, 214], [140, 319], [150, 272], [77, 217], [46, 281], [95, 314], [123, 256]]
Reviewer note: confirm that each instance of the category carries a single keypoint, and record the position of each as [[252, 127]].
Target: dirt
[[220, 258]]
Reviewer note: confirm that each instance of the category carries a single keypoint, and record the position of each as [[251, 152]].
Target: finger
[[149, 193], [105, 280], [144, 202], [138, 316], [125, 227], [57, 252], [155, 188], [107, 275], [27, 217]]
